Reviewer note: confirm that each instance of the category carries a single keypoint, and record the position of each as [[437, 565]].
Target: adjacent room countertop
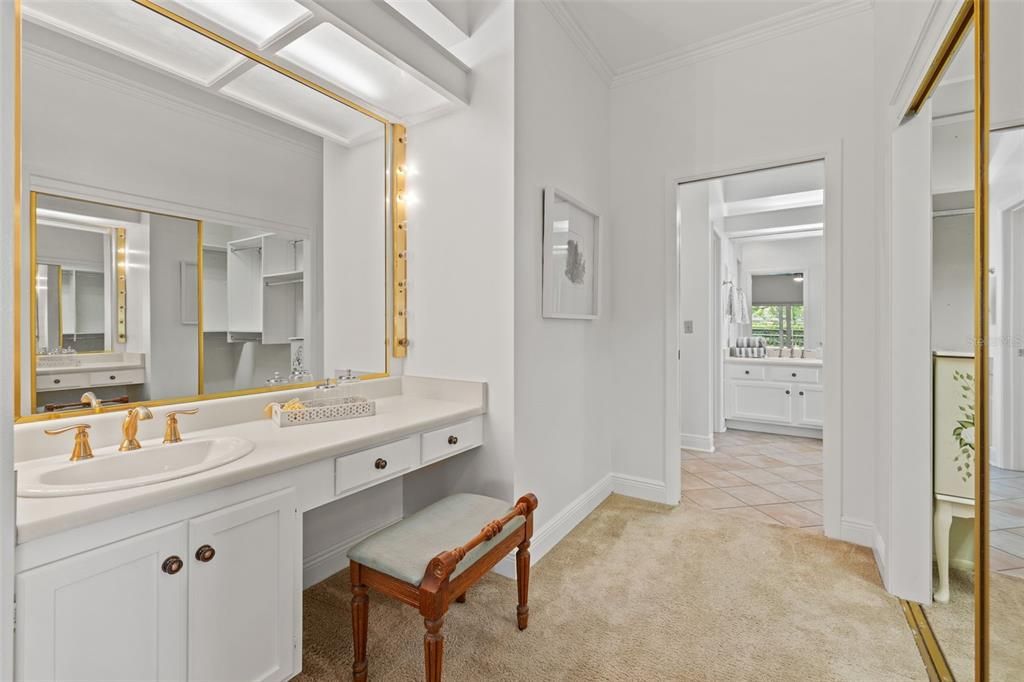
[[790, 362]]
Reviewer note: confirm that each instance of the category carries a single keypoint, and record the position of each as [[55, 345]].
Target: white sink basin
[[58, 477]]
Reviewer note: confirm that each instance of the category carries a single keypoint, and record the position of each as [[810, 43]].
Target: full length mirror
[[203, 219]]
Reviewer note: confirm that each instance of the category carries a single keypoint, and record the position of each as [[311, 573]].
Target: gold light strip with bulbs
[[122, 284], [399, 244]]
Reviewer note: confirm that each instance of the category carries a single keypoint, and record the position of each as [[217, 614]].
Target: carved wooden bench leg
[[523, 582], [360, 621], [433, 648]]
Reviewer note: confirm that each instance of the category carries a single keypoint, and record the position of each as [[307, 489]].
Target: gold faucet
[[130, 428], [171, 432], [82, 449]]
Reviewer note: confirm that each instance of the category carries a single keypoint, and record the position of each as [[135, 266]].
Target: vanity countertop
[[277, 449], [785, 362], [92, 367]]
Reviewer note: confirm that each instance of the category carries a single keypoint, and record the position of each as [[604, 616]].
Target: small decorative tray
[[322, 410]]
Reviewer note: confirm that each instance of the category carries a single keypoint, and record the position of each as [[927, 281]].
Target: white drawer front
[[744, 371], [116, 377], [803, 375], [364, 468], [56, 382], [453, 439]]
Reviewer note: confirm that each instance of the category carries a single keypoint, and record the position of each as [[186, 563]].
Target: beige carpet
[[642, 592], [953, 625]]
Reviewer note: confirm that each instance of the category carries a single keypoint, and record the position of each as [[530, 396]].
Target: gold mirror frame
[[395, 287], [974, 14]]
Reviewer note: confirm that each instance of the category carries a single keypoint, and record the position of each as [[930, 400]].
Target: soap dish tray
[[324, 410]]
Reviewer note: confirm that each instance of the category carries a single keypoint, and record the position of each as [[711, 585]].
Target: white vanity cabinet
[[108, 614], [775, 394], [130, 611]]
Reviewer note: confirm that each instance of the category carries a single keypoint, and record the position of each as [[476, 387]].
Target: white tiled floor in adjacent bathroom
[[758, 476], [1006, 521]]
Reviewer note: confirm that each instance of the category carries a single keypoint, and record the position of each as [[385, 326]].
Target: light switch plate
[[687, 326]]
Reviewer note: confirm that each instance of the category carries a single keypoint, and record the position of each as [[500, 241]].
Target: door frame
[[833, 454]]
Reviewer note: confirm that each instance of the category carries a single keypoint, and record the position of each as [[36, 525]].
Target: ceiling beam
[[790, 219]]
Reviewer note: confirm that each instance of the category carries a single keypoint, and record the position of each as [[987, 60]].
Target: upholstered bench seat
[[403, 550], [432, 559]]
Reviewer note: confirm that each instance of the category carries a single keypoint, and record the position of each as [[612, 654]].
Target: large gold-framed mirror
[[208, 212]]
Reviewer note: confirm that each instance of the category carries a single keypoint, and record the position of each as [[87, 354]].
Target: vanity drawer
[[116, 377], [364, 468], [452, 439], [744, 371], [803, 375], [56, 382]]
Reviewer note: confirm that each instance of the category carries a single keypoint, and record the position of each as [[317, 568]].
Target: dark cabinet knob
[[801, 392], [56, 381], [453, 440], [172, 565], [787, 392], [746, 371], [381, 463], [794, 374], [205, 553], [114, 376]]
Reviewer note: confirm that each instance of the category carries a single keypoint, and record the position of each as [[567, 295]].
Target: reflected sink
[[121, 470]]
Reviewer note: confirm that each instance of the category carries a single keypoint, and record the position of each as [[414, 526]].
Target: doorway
[[751, 338]]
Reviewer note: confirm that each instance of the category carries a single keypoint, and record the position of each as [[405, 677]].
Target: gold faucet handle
[[172, 434], [81, 449]]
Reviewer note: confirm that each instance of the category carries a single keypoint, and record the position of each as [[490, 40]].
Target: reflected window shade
[[776, 290]]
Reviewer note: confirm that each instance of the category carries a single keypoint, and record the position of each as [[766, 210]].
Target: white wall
[[796, 95], [695, 371], [461, 264], [953, 283], [354, 243], [563, 369], [806, 255]]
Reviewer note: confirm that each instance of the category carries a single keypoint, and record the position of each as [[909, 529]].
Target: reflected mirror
[[202, 220]]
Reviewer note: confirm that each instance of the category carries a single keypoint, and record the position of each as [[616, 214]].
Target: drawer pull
[[787, 392], [453, 440], [801, 392], [794, 374], [114, 376], [205, 553], [746, 371], [56, 381], [172, 565], [381, 464]]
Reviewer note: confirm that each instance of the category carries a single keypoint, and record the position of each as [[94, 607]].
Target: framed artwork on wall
[[571, 279]]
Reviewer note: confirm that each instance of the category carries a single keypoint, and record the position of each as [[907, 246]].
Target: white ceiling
[[775, 203], [299, 34], [628, 37]]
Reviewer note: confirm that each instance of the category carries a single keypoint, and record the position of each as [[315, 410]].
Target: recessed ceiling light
[[335, 56], [258, 21], [129, 29]]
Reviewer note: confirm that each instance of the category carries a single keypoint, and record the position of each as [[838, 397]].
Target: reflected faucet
[[89, 398], [130, 428]]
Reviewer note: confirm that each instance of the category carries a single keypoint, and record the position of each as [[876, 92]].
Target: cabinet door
[[761, 401], [242, 595], [109, 614], [811, 406]]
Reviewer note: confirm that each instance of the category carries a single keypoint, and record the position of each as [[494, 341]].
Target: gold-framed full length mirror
[[955, 630], [204, 209]]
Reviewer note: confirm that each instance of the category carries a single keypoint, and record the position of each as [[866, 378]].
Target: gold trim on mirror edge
[[19, 229], [981, 333]]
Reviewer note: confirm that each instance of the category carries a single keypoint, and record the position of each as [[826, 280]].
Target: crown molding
[[775, 27], [580, 38]]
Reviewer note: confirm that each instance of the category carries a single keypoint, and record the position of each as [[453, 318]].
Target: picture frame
[[570, 259]]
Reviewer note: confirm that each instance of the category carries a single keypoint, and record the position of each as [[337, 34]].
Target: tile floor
[[760, 477], [1006, 521]]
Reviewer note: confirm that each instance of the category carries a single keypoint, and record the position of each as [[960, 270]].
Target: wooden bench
[[411, 562]]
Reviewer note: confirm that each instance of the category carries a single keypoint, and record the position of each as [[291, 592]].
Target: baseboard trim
[[324, 564], [642, 488], [778, 429], [552, 532], [692, 441], [878, 549], [859, 533]]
